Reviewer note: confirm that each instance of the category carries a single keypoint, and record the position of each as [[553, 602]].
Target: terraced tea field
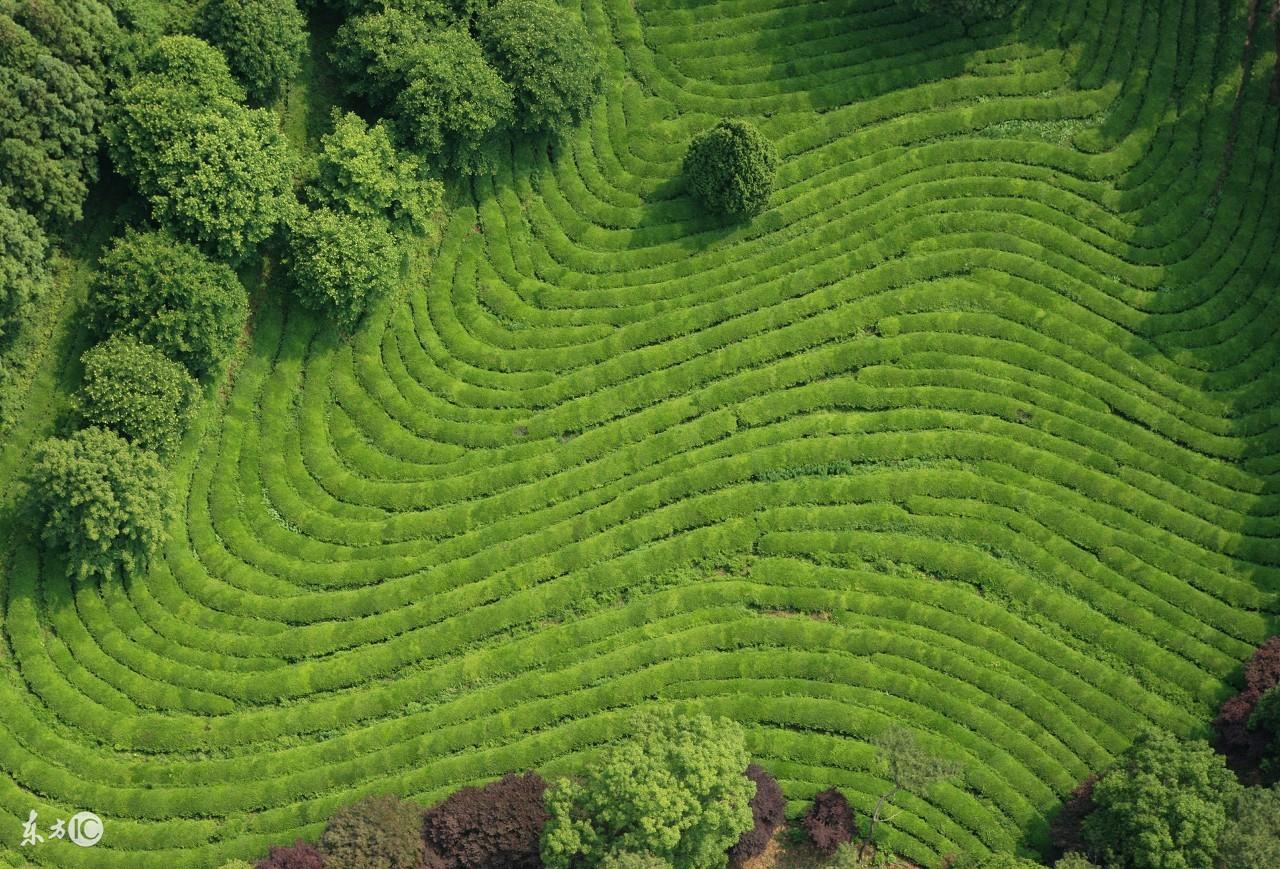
[[974, 429]]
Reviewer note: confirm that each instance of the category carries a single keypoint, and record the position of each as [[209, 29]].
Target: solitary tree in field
[[674, 790], [730, 169], [909, 767]]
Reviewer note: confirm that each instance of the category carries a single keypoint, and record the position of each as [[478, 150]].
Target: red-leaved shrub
[[299, 855], [1246, 748], [492, 827], [829, 822], [1066, 830], [767, 808]]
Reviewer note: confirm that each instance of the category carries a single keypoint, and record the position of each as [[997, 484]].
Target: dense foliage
[[968, 10], [1251, 839], [1066, 830], [496, 826], [767, 814], [263, 41], [1163, 805], [994, 861], [674, 789], [172, 296], [136, 391], [730, 168], [54, 60], [23, 248], [377, 832], [214, 171], [299, 855], [1238, 736], [100, 501], [829, 821], [359, 170], [340, 264], [547, 56], [632, 860]]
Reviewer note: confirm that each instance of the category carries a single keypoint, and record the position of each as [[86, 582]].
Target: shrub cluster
[[299, 855], [829, 822], [496, 826], [377, 832], [456, 76], [1244, 740], [730, 169], [23, 248], [767, 808], [340, 263]]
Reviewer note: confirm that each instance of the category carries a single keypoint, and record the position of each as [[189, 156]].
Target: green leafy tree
[[549, 59], [374, 52], [23, 248], [730, 168], [215, 172], [1163, 806], [1251, 839], [340, 263], [968, 10], [455, 106], [138, 392], [360, 171], [909, 767], [172, 296], [675, 789], [263, 40], [1074, 860], [100, 500], [632, 860]]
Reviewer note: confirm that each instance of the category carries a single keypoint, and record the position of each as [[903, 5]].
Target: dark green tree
[[1163, 805], [549, 59], [675, 789], [360, 171], [968, 10], [340, 264], [377, 832], [137, 392], [100, 500], [1251, 839], [374, 52], [730, 169], [23, 249], [263, 41], [170, 295]]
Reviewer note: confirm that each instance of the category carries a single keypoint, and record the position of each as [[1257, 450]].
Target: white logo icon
[[85, 829]]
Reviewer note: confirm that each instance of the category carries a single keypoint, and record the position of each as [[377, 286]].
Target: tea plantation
[[974, 428]]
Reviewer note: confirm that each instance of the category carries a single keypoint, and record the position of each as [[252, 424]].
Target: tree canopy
[[340, 263], [136, 391], [1251, 839], [170, 295], [263, 41], [675, 789], [730, 169], [1164, 804], [214, 171], [100, 500], [377, 832], [23, 248], [548, 57]]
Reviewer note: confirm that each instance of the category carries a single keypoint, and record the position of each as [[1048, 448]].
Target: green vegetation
[[378, 832], [1165, 804], [167, 293], [23, 249], [730, 168], [971, 430], [340, 264], [100, 501], [263, 41], [136, 391], [215, 172], [674, 789]]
